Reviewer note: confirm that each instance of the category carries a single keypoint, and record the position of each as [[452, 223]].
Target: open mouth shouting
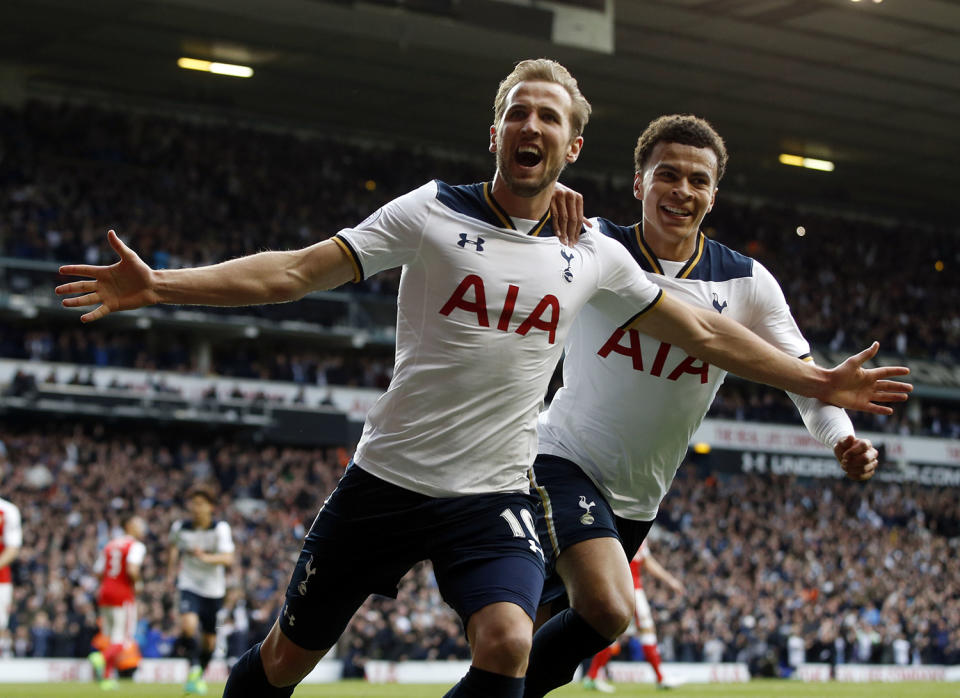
[[528, 155]]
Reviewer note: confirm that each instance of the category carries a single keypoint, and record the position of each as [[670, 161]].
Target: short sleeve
[[175, 533], [12, 530], [771, 317], [391, 236], [625, 281], [224, 538], [136, 553]]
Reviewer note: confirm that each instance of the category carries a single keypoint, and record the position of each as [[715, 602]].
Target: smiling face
[[677, 187], [534, 140]]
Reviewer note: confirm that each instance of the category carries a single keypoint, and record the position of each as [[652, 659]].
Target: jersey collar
[[650, 262], [543, 228]]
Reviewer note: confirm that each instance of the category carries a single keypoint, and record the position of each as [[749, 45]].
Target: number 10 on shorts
[[517, 529]]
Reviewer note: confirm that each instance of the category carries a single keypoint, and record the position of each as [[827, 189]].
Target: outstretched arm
[[651, 565], [832, 427], [858, 458], [714, 338], [266, 277]]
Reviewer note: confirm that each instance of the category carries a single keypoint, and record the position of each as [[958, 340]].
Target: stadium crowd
[[760, 557], [188, 193]]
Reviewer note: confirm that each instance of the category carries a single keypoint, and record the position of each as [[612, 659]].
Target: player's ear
[[638, 186], [713, 199], [493, 139], [573, 152]]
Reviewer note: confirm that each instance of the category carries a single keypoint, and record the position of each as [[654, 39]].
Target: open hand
[[125, 285], [858, 388]]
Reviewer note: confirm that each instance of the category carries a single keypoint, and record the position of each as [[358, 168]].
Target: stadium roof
[[873, 87]]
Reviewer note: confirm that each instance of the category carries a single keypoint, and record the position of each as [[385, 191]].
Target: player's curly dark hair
[[685, 129], [203, 489]]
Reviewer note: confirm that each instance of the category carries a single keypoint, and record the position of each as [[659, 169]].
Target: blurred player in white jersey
[[642, 625], [487, 296], [11, 540], [119, 567], [201, 548], [616, 432]]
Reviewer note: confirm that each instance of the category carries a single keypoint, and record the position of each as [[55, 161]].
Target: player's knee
[[284, 663], [608, 614], [504, 650], [281, 668]]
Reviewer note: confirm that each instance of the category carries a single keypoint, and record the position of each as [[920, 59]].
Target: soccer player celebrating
[[617, 431], [11, 540], [203, 547], [487, 296], [118, 565]]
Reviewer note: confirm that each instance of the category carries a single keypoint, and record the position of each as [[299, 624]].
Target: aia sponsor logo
[[632, 349], [470, 297]]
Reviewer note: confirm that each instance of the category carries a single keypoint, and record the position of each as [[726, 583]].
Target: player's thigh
[[113, 623], [199, 612], [362, 542], [485, 550], [572, 510]]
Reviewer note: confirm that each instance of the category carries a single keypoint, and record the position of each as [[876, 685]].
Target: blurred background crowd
[[760, 557]]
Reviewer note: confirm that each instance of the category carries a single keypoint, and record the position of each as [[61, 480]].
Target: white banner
[[415, 672], [679, 672], [621, 672], [149, 671], [355, 402], [796, 440], [859, 673]]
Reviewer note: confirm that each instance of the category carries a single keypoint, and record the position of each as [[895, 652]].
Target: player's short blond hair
[[545, 70]]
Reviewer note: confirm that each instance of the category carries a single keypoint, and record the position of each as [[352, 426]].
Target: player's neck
[[202, 522], [670, 248], [516, 206]]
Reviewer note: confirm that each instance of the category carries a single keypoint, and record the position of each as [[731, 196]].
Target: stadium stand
[[760, 555]]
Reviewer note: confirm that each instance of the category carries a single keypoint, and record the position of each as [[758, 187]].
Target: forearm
[[826, 423], [225, 559], [8, 555], [722, 342], [266, 277]]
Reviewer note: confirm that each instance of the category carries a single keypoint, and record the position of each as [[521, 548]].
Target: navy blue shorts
[[205, 608], [573, 510], [369, 533]]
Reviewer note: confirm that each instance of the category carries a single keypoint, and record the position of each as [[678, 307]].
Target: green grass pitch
[[360, 689]]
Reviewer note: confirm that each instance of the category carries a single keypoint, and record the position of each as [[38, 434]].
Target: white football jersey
[[483, 312], [630, 403], [200, 577]]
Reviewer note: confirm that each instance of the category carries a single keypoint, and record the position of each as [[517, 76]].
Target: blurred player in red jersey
[[11, 539], [642, 619], [119, 567]]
